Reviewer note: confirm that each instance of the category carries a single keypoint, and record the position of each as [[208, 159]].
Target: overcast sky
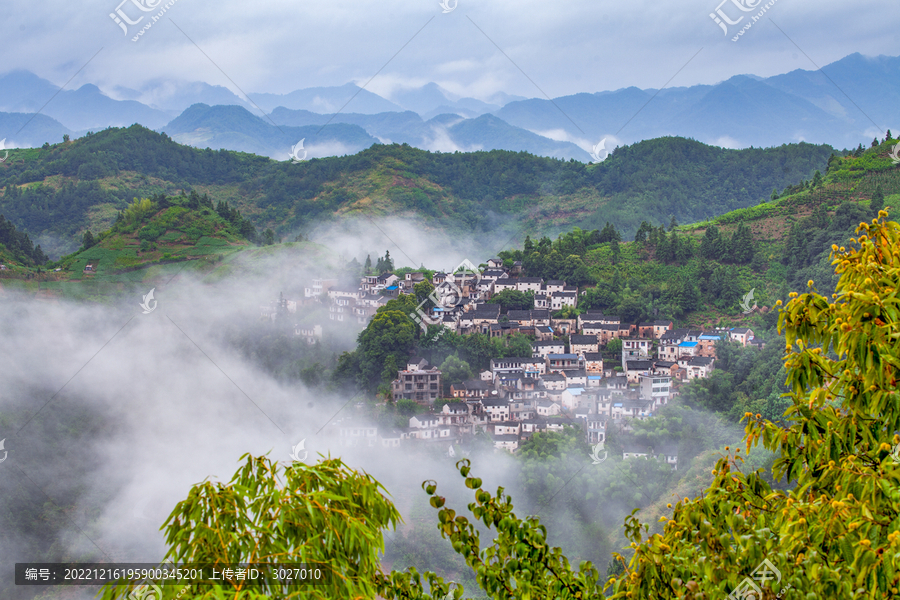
[[518, 47]]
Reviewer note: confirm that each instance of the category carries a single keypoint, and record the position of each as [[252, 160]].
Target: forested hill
[[68, 188]]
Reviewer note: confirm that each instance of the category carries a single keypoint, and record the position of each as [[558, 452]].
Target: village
[[565, 381]]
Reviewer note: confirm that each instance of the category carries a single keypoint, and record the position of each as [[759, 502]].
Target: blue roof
[[595, 376], [570, 356], [710, 337], [687, 344], [392, 287], [575, 390]]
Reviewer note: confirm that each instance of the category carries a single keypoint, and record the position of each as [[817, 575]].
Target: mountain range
[[844, 104]]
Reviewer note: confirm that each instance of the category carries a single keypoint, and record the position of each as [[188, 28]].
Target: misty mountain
[[431, 100], [177, 96], [444, 133], [488, 132], [235, 128], [740, 112], [81, 109], [328, 100], [24, 130]]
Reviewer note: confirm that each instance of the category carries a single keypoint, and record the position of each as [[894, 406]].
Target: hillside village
[[566, 380]]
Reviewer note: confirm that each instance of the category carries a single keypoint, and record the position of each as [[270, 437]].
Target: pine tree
[[529, 245], [367, 267], [87, 240], [817, 179]]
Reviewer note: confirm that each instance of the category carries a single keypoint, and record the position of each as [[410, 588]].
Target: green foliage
[[454, 371], [407, 407], [833, 533], [519, 563], [513, 300], [325, 514]]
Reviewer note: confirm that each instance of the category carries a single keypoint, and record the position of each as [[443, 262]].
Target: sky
[[475, 49]]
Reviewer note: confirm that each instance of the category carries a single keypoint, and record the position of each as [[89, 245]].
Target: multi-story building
[[417, 382]]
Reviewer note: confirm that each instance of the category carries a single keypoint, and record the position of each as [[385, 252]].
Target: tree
[[711, 246], [268, 237], [817, 179], [407, 407], [514, 300], [389, 335], [65, 138], [742, 247], [840, 509], [367, 267], [454, 370], [325, 514], [614, 346], [87, 240], [643, 230]]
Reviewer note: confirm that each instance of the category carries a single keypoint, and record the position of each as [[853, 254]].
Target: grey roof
[[593, 356], [740, 329], [494, 402], [582, 339], [638, 365], [700, 361], [574, 373]]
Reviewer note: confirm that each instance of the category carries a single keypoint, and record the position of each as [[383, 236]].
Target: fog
[[110, 415]]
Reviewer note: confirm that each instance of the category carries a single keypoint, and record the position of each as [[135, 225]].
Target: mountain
[[444, 133], [81, 109], [833, 106], [24, 130], [176, 96], [431, 100], [235, 128], [82, 184], [328, 100], [488, 132]]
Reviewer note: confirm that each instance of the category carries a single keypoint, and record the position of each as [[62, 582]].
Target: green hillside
[[57, 192]]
